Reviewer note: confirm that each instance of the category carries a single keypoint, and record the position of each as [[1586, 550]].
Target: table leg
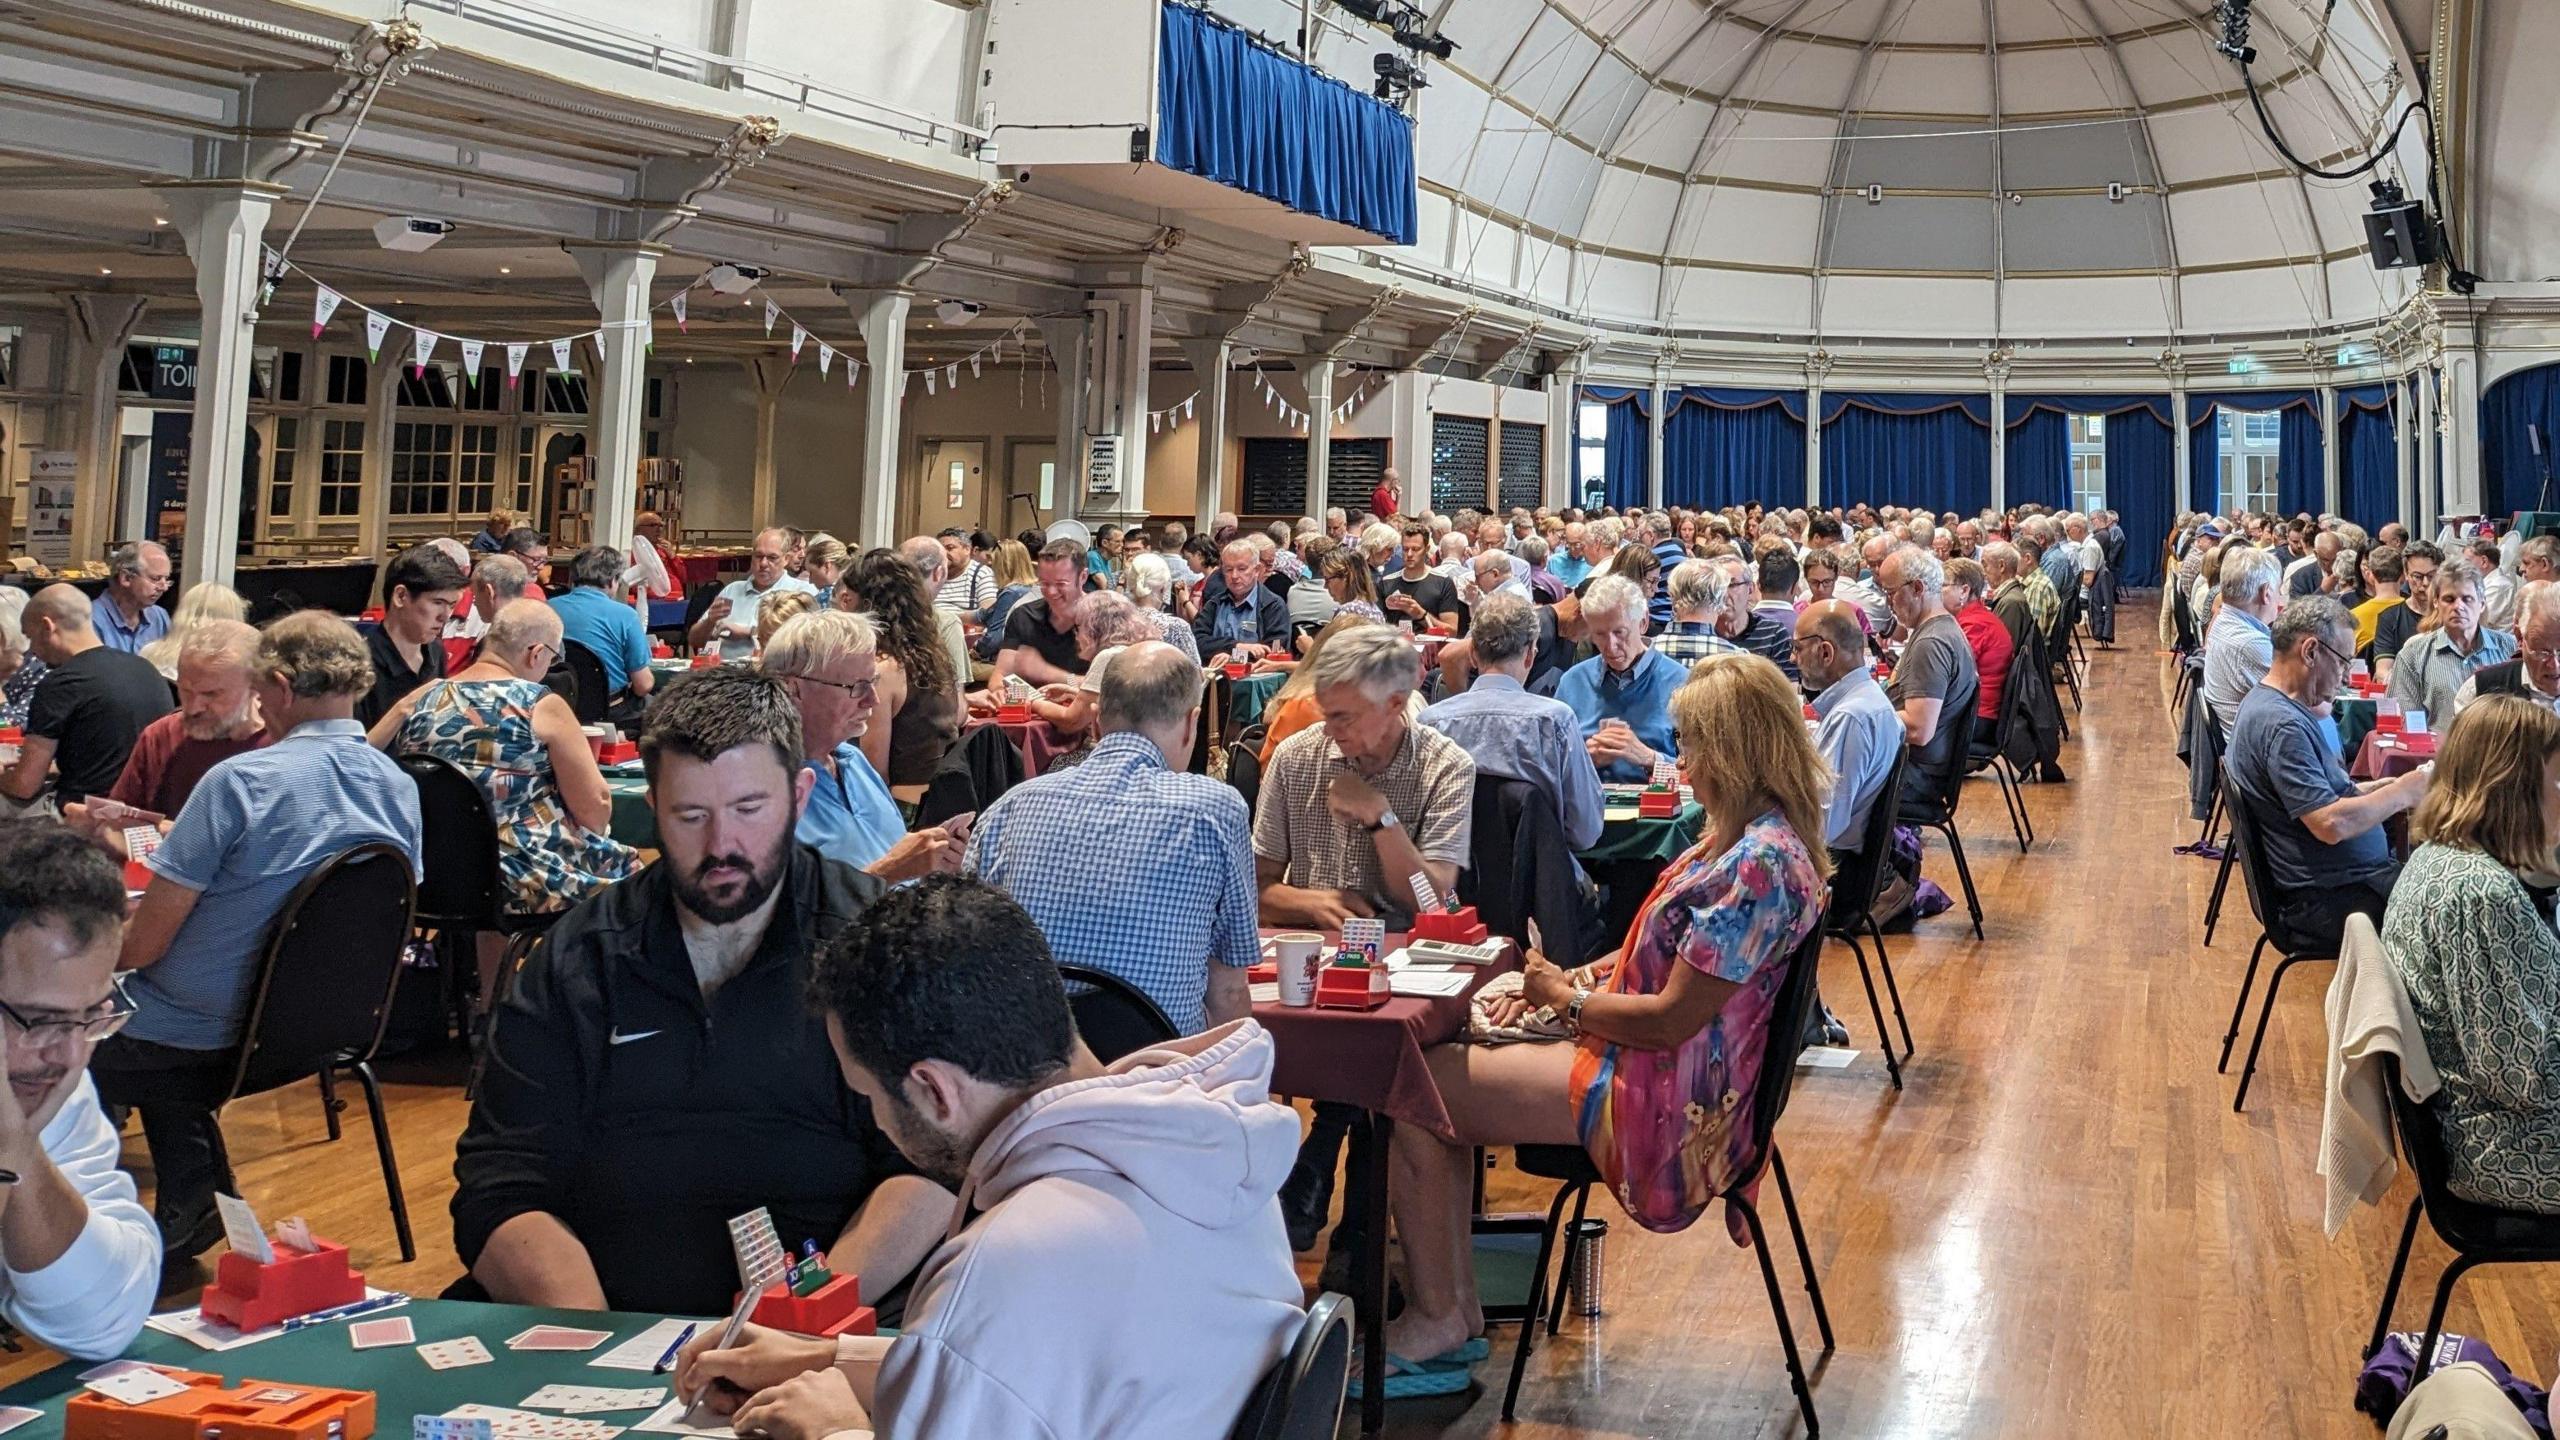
[[1372, 1299]]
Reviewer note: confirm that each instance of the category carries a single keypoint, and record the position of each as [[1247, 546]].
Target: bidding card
[[240, 1226], [559, 1337], [453, 1354], [372, 1334], [13, 1416], [446, 1427]]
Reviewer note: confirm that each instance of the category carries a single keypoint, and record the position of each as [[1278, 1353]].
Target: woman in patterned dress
[[1671, 1031], [2479, 958], [498, 722]]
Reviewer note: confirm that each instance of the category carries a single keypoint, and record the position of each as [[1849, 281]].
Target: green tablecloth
[[1625, 836], [2354, 715], [634, 823], [1248, 697], [402, 1383]]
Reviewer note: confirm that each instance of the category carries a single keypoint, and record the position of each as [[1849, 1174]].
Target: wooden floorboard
[[2058, 1229]]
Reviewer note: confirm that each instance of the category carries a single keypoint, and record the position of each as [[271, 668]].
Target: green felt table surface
[[1626, 836], [402, 1384], [634, 823]]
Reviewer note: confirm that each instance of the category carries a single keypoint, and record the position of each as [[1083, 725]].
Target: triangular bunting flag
[[799, 337], [560, 352], [648, 335], [771, 313], [376, 325], [826, 358], [323, 305], [677, 305], [515, 363], [1190, 407], [472, 350], [852, 371], [928, 381], [951, 377], [1154, 422], [974, 371], [422, 343]]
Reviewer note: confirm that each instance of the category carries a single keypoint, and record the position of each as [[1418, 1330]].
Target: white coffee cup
[[1295, 955]]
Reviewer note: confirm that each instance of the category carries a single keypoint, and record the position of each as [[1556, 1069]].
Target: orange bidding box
[[1352, 987], [1458, 927], [249, 1296], [1658, 802], [832, 1309], [1014, 714], [258, 1410]]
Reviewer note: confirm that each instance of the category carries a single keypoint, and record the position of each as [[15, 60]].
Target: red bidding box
[[1014, 715], [1458, 927], [257, 1410], [1659, 802], [832, 1309], [249, 1296], [1352, 987]]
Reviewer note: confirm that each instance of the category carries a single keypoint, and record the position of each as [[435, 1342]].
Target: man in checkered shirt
[[1129, 865]]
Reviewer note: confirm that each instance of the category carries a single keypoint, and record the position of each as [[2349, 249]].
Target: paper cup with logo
[[1295, 952]]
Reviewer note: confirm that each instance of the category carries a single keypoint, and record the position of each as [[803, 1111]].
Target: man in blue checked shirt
[[1129, 865]]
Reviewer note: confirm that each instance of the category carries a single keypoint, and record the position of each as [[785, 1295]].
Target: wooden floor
[[2058, 1229]]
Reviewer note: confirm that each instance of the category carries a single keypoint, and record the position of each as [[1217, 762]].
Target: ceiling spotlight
[[103, 270], [733, 279], [1397, 76], [2115, 191], [957, 312], [159, 219], [410, 234], [1874, 193], [2017, 199], [506, 270]]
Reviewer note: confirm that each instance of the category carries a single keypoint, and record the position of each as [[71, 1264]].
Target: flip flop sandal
[[1447, 1374]]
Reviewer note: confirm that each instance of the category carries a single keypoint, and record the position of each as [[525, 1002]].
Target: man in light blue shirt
[[1511, 733], [1566, 562], [127, 614], [609, 628], [2238, 647], [1129, 865], [1856, 728], [731, 618], [1622, 696], [255, 828], [830, 661]]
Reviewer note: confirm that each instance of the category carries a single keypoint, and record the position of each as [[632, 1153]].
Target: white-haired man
[[1622, 695], [2240, 645], [1936, 670], [731, 619], [830, 661]]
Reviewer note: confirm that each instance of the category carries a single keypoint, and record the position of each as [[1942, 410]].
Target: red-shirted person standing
[[1382, 501]]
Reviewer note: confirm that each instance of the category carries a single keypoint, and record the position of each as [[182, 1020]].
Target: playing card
[[294, 1233], [446, 1427], [136, 1386], [13, 1416], [370, 1334], [559, 1337], [240, 1226], [453, 1354]]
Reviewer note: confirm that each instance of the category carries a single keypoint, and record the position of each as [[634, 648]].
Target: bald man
[[1855, 726], [731, 619], [89, 708]]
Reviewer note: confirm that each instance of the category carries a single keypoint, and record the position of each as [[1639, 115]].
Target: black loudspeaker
[[2400, 235]]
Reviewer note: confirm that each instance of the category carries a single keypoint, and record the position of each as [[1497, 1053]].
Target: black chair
[[1301, 1397], [2057, 646], [2260, 880], [1115, 1017], [2477, 1234], [1936, 810], [2216, 745], [1571, 1165], [1855, 884], [462, 894], [697, 599], [1244, 771], [1993, 754], [594, 695], [323, 991], [2188, 648]]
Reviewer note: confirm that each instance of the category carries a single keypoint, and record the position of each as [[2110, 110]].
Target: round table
[[1249, 696], [634, 823], [2381, 757]]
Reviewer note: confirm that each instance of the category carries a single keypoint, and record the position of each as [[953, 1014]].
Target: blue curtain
[[1732, 447], [1928, 450], [2510, 473], [2302, 480], [2204, 466], [1626, 448], [2142, 481], [2368, 457], [1231, 110], [2040, 460]]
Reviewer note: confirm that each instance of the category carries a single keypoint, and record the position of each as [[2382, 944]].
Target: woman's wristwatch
[[1573, 1010]]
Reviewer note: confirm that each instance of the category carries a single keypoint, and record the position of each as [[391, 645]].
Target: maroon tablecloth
[[2376, 762], [1035, 740], [1371, 1058]]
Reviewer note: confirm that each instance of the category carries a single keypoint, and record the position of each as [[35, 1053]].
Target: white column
[[1653, 446], [883, 317], [2182, 461], [2424, 526], [381, 411], [2332, 500], [766, 375], [1069, 347], [619, 282], [1317, 372], [1816, 370], [222, 228], [1998, 372], [103, 325], [1564, 395], [1126, 318], [1209, 356], [2463, 490], [1409, 428], [2404, 452]]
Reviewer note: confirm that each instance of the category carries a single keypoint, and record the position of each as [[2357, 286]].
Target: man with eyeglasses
[[2420, 561], [127, 614], [2535, 672], [731, 618], [83, 1257], [256, 826], [2322, 832], [830, 660]]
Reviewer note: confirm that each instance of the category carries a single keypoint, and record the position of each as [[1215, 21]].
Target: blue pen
[[670, 1357], [361, 1307]]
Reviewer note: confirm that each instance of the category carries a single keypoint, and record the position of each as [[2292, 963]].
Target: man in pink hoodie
[[1117, 1263]]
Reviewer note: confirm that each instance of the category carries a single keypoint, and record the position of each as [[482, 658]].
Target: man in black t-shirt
[[89, 707], [1040, 635], [419, 590], [1417, 593]]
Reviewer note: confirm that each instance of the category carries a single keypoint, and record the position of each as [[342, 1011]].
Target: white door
[[953, 487]]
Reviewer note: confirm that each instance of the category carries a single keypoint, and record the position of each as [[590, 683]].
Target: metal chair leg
[[1804, 1255], [2391, 1287], [1778, 1308], [1964, 872], [2266, 1012], [1537, 1299], [330, 1104], [2240, 1006], [1875, 1007], [390, 1163], [2435, 1314], [1572, 1251], [2221, 887], [1884, 962]]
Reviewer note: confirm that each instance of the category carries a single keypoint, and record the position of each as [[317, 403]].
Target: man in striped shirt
[[969, 585]]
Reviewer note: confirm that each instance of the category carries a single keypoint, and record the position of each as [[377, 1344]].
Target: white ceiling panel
[[1608, 96], [1905, 306], [1631, 211], [2277, 297], [1664, 131], [1617, 288], [1756, 227], [2260, 220], [2077, 79], [1487, 29], [1548, 64], [1795, 72], [1926, 82], [1711, 57], [1741, 300], [2060, 308], [1769, 145], [1453, 114]]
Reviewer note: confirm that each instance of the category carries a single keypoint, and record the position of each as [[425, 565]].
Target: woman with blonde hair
[[2477, 953], [21, 666], [1017, 580], [1666, 1032], [780, 606], [202, 602], [822, 565]]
